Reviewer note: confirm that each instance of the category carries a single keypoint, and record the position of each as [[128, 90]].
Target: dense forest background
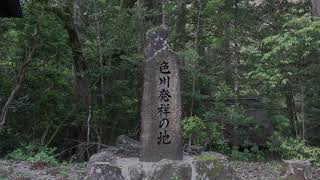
[[71, 75]]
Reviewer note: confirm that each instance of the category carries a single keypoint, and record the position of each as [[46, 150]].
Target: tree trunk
[[79, 63], [198, 6], [302, 112], [227, 63], [315, 8], [291, 112], [236, 54], [181, 24], [100, 56]]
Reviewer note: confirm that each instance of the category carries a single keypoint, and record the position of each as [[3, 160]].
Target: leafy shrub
[[252, 154], [206, 134], [194, 127], [22, 153], [294, 148], [34, 154], [236, 115], [217, 141]]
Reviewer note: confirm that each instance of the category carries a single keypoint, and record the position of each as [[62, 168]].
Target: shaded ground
[[263, 171], [13, 170]]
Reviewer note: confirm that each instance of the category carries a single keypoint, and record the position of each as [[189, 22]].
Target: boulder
[[214, 154], [168, 169], [128, 146], [104, 171], [136, 172], [125, 141], [125, 147], [208, 166], [297, 170], [104, 156]]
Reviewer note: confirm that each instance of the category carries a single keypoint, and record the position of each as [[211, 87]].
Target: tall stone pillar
[[161, 102]]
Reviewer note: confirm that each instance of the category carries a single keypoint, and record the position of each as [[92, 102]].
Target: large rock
[[125, 147], [105, 157], [161, 101], [168, 169], [104, 171], [209, 166], [213, 168], [297, 170], [128, 146]]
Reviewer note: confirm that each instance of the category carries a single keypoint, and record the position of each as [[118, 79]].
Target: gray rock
[[161, 101], [137, 172], [209, 166], [128, 146], [105, 156], [214, 154], [297, 169], [125, 147], [104, 171], [168, 169], [126, 141]]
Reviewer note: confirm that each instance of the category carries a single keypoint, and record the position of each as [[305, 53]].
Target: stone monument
[[161, 102]]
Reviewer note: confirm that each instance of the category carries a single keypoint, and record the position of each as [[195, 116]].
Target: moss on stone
[[208, 167], [207, 158]]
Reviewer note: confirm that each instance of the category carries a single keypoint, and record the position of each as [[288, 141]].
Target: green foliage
[[294, 148], [34, 153], [217, 141], [236, 115], [194, 127], [228, 51], [252, 154]]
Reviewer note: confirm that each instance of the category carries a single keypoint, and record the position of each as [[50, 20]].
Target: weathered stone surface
[[297, 170], [161, 102], [167, 170], [212, 168], [136, 172], [125, 147], [209, 166], [104, 171], [214, 154], [128, 146], [101, 157], [126, 141]]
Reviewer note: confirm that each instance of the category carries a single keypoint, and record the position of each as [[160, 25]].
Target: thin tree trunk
[[80, 65], [291, 112], [100, 55], [88, 126], [163, 12], [197, 48], [180, 24], [236, 59], [14, 92], [302, 111]]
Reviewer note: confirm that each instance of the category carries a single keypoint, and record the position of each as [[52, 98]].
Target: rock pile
[[111, 164]]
